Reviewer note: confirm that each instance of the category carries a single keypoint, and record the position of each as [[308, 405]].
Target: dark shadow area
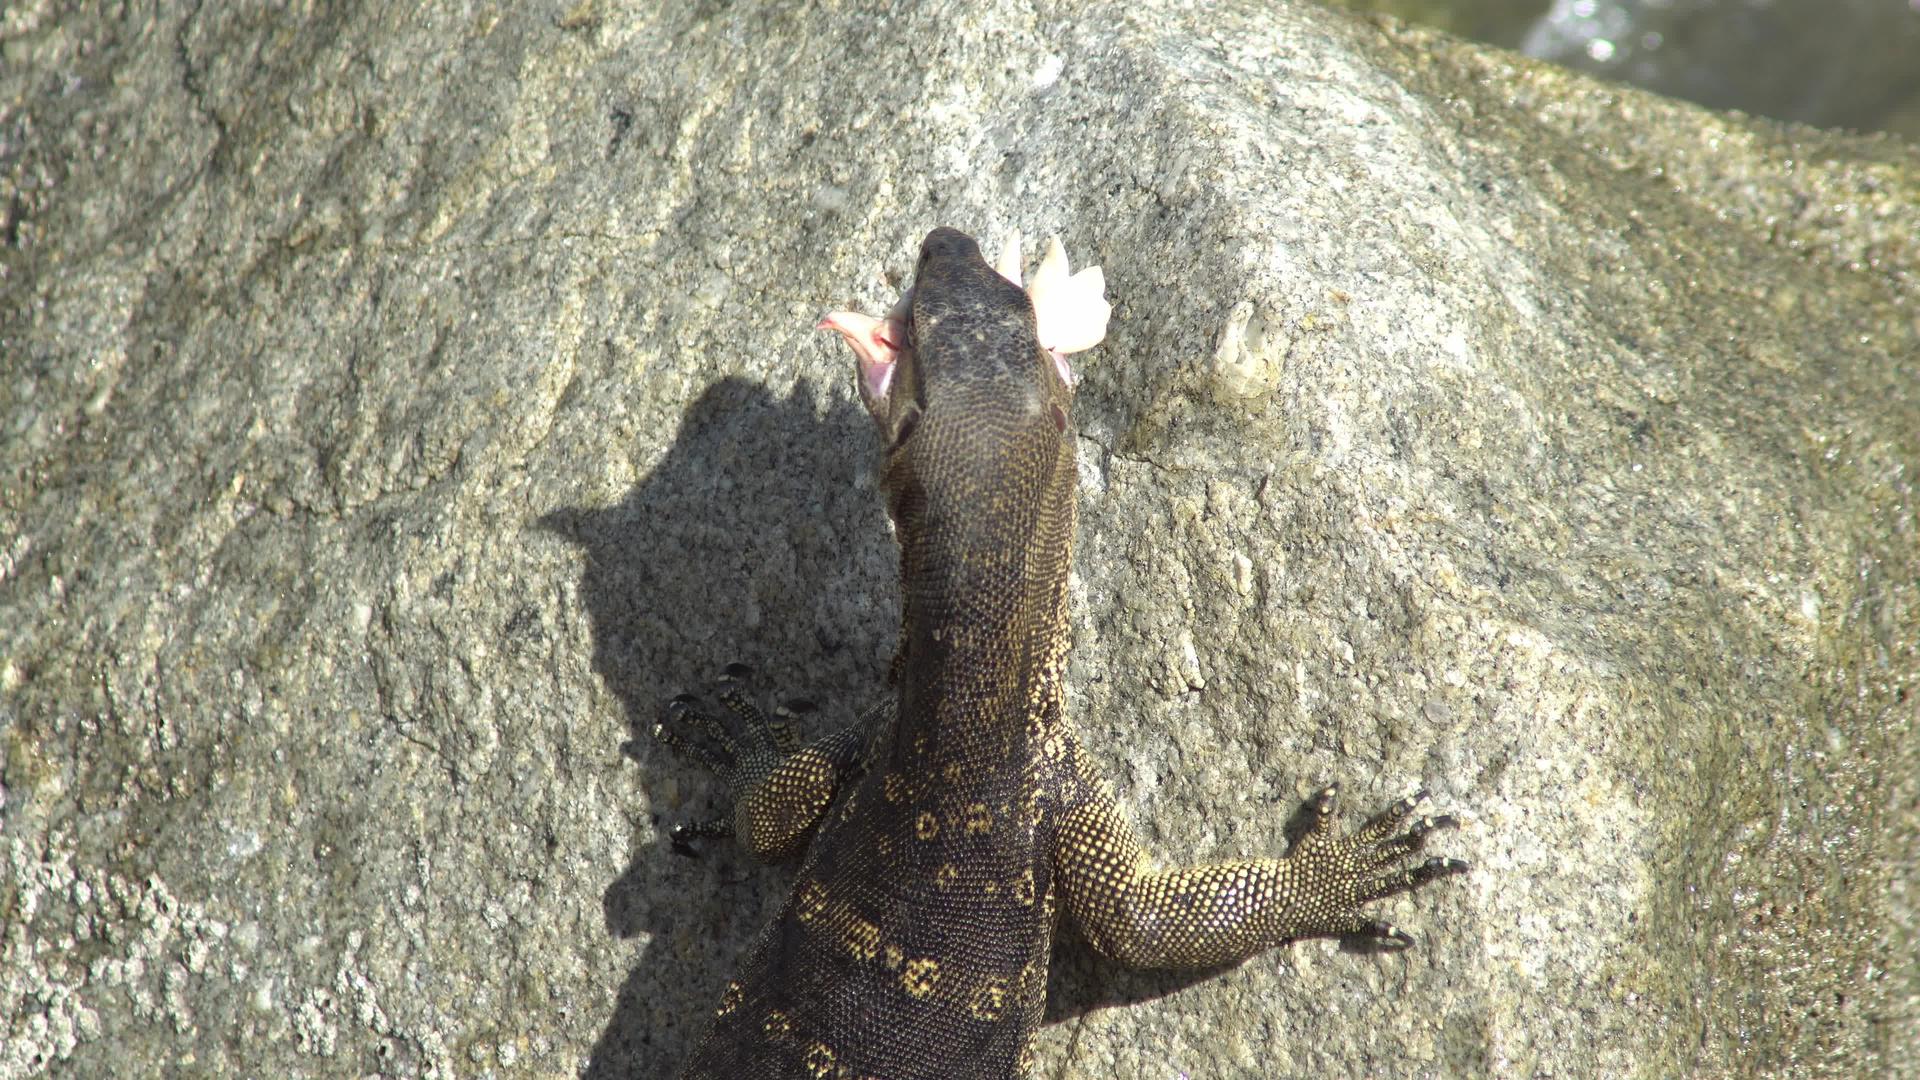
[[755, 538], [1080, 980]]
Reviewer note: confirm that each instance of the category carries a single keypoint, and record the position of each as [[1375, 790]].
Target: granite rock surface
[[397, 405]]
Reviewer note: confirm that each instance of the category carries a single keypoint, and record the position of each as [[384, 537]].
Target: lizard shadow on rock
[[760, 508], [719, 554]]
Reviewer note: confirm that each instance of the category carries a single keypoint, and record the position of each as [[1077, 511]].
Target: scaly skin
[[948, 826]]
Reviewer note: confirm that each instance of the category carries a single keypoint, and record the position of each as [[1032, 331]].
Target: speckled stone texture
[[396, 405]]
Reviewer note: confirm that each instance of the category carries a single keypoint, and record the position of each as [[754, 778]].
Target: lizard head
[[967, 381], [966, 341]]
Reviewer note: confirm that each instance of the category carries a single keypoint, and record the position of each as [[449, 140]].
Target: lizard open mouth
[[876, 343]]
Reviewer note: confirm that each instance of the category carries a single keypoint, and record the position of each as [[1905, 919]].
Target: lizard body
[[943, 832]]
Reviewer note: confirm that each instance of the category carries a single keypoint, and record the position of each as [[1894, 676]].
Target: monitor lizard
[[943, 831]]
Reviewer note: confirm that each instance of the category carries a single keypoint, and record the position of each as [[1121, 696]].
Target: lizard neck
[[984, 633]]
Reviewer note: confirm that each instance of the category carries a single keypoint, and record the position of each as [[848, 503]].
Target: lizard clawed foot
[[1339, 874], [736, 742]]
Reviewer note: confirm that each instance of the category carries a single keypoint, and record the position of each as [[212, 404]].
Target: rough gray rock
[[397, 406]]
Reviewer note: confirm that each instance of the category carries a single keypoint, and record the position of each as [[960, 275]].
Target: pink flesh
[[876, 345], [1065, 369]]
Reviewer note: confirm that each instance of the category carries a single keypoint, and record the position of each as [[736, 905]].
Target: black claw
[[796, 707], [669, 737], [1387, 932], [1435, 867], [737, 670], [1427, 824]]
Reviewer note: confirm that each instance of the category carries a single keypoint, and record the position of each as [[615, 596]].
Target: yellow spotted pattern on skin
[[811, 902], [771, 820], [730, 999], [988, 1000], [1032, 805], [1023, 886], [862, 938], [1055, 748], [946, 876], [778, 1025], [819, 1061], [1033, 978], [1037, 728], [926, 826], [895, 787], [920, 977], [979, 819]]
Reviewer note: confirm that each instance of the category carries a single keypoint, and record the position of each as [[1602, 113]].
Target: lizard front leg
[[1222, 913], [779, 787]]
